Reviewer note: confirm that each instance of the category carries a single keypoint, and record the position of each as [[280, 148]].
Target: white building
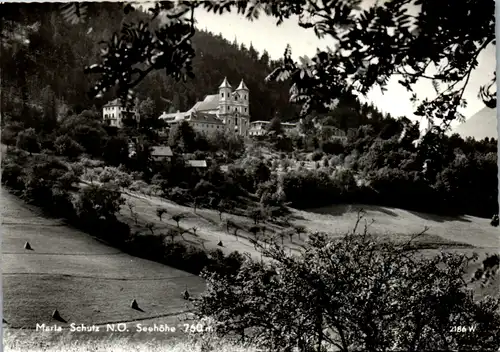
[[114, 112], [228, 110], [259, 128]]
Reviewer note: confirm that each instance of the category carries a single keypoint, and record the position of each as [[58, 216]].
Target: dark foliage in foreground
[[353, 294]]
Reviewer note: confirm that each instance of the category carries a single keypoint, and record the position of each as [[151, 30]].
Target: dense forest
[[43, 59]]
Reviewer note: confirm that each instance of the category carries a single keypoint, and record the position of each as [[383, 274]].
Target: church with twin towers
[[227, 110]]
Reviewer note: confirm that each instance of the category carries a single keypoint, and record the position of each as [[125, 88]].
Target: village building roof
[[197, 163], [159, 151]]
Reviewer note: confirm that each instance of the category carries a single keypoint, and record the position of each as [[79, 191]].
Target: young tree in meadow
[[160, 212], [151, 226], [300, 229], [178, 218], [172, 233], [223, 206], [133, 213]]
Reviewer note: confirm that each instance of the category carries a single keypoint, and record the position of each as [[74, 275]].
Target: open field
[[465, 234], [85, 280], [399, 224]]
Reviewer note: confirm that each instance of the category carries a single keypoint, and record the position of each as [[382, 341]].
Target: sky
[[263, 34]]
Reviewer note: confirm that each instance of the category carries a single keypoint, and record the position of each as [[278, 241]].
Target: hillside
[[481, 125], [86, 280]]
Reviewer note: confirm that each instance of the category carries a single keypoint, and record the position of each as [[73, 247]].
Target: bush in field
[[10, 132], [148, 246], [66, 146], [138, 186], [397, 188], [91, 175], [39, 176], [344, 178], [179, 195], [112, 174], [335, 160], [11, 175], [77, 168], [91, 163], [317, 155], [98, 202], [62, 204], [351, 294], [67, 180], [28, 140], [311, 189], [257, 170]]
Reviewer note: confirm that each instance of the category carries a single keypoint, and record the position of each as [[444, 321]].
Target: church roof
[[242, 86], [225, 84], [211, 102], [204, 117]]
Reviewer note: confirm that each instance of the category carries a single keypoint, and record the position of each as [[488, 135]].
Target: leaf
[[74, 12]]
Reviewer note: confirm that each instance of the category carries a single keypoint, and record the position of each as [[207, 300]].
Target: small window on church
[[222, 95], [245, 109]]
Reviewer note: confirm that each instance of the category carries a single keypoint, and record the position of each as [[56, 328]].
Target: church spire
[[242, 86], [225, 84]]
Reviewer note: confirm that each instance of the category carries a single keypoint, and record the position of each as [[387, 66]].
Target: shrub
[[91, 163], [179, 195], [66, 146], [98, 202], [10, 132], [317, 155], [67, 180], [77, 168], [28, 140], [310, 189], [11, 176], [138, 186], [148, 246], [62, 204], [112, 174]]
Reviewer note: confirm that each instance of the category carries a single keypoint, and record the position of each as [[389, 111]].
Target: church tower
[[225, 98], [242, 102]]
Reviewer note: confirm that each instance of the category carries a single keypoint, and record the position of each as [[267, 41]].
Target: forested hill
[[43, 58], [217, 58]]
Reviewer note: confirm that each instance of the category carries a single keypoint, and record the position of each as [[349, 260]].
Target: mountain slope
[[87, 281], [481, 125]]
